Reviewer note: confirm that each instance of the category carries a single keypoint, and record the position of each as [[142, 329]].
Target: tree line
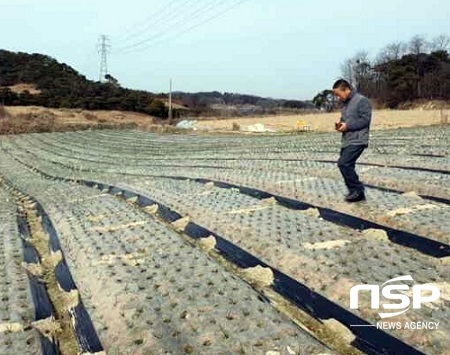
[[402, 72], [215, 102]]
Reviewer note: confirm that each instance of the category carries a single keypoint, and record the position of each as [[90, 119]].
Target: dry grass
[[445, 116], [28, 119], [20, 88], [324, 122]]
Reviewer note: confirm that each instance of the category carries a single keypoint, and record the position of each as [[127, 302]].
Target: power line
[[155, 40], [144, 22], [185, 19], [103, 49], [152, 21], [179, 18]]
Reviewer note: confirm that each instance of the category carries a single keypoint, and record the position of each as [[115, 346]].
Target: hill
[[43, 81]]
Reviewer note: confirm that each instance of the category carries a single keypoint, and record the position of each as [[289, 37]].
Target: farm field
[[129, 242], [323, 122]]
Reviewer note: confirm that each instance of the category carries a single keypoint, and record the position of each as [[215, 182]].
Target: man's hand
[[342, 127]]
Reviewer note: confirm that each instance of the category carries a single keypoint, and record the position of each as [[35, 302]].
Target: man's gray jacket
[[357, 114]]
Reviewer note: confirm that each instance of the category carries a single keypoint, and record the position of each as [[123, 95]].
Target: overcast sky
[[281, 49]]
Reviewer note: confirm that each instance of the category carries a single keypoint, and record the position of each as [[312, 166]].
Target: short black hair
[[342, 84]]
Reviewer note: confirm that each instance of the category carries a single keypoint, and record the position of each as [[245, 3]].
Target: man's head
[[342, 89]]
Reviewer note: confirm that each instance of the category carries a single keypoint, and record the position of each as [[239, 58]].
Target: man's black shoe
[[355, 196], [350, 193]]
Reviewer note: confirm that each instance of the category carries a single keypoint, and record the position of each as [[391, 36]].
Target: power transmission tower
[[103, 49]]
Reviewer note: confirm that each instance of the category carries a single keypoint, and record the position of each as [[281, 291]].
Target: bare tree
[[441, 43], [361, 56], [355, 69], [418, 44], [393, 51], [346, 70]]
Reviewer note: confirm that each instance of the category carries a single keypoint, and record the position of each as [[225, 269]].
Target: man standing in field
[[354, 125]]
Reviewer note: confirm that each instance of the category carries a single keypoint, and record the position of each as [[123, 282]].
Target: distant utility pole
[[103, 49], [354, 74], [350, 70], [170, 101]]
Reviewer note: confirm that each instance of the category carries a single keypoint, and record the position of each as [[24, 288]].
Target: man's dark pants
[[346, 164]]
